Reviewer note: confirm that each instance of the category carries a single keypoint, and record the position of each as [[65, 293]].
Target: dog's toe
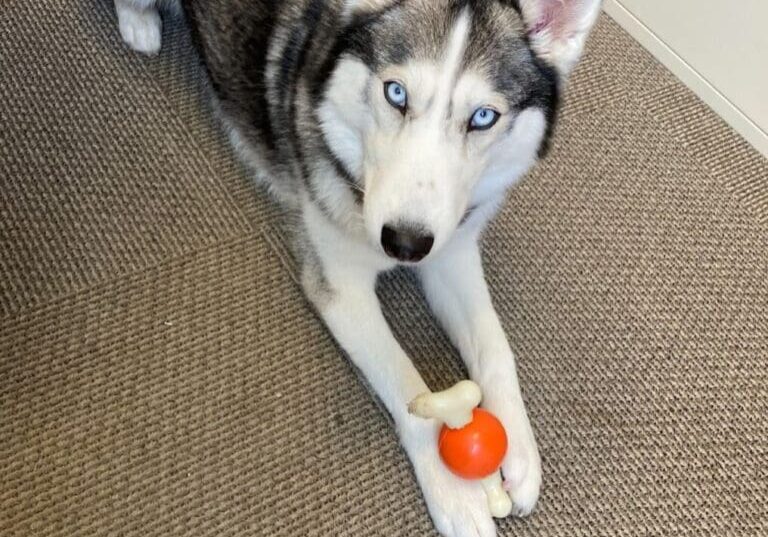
[[523, 483]]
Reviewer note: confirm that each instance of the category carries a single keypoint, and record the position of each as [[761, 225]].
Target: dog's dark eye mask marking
[[514, 69]]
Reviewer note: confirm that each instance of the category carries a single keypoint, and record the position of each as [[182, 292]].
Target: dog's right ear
[[558, 29]]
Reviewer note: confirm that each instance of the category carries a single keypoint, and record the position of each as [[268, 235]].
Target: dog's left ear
[[558, 29]]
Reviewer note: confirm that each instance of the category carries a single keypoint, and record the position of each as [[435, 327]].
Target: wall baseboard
[[688, 75]]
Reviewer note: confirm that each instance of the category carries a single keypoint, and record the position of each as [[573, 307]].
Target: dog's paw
[[141, 29], [458, 508], [521, 468], [522, 477]]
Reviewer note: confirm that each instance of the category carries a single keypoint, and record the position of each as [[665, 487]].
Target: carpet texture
[[161, 374]]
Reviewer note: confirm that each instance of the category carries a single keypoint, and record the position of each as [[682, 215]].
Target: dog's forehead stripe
[[453, 61]]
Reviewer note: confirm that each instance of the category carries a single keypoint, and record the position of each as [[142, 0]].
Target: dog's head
[[438, 106]]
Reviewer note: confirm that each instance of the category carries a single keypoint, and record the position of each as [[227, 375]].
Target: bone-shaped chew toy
[[472, 441]]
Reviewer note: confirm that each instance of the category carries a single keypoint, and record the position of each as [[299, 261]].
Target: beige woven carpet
[[160, 373]]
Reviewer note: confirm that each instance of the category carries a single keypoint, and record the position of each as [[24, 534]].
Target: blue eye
[[483, 119], [396, 95]]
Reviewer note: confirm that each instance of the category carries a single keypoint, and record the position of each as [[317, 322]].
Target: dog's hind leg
[[140, 24], [458, 294]]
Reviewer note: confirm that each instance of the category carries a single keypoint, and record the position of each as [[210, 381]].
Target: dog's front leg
[[343, 291], [456, 289]]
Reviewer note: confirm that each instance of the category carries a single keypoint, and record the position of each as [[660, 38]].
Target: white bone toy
[[472, 441]]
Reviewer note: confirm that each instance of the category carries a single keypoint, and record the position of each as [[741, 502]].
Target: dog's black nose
[[406, 243]]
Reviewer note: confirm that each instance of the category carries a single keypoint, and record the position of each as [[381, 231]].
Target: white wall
[[719, 49]]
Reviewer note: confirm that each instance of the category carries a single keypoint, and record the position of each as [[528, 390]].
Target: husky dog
[[390, 131]]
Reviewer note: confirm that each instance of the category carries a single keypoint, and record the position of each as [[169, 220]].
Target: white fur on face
[[345, 116], [412, 165], [425, 169], [510, 158]]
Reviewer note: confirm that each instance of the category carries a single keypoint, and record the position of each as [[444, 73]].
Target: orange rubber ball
[[476, 450]]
